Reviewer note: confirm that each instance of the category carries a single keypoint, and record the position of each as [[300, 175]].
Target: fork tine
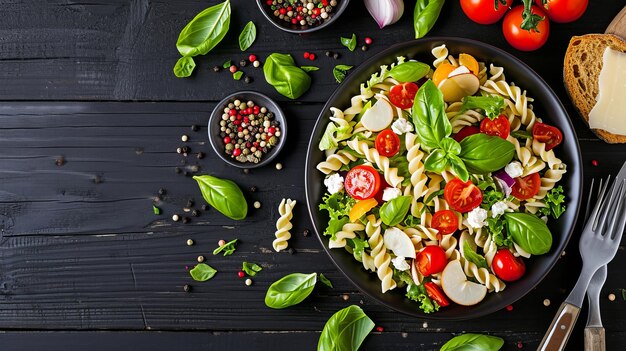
[[608, 203], [618, 209], [599, 203], [589, 197]]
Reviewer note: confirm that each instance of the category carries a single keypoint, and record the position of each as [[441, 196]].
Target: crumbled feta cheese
[[498, 208], [400, 264], [476, 217], [334, 183], [514, 169], [391, 193], [401, 126]]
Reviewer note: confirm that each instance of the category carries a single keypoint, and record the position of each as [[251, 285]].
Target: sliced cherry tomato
[[526, 187], [484, 11], [547, 134], [445, 221], [508, 267], [402, 95], [522, 39], [435, 293], [499, 126], [465, 132], [387, 143], [462, 196], [564, 11], [362, 182], [431, 260]]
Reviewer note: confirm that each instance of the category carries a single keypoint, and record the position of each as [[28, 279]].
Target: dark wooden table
[[85, 264]]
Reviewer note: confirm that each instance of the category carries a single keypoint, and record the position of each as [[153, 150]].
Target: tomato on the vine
[[526, 187], [462, 196], [445, 221], [362, 182], [522, 39], [402, 95], [484, 11], [508, 267], [387, 143], [499, 126], [547, 134], [435, 293], [431, 260], [563, 11]]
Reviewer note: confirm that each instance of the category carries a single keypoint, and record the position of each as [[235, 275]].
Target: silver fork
[[598, 244]]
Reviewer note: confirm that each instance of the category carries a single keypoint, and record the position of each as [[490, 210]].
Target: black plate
[[546, 105]]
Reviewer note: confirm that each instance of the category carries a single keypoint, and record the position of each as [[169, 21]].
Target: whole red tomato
[[432, 259], [522, 39], [484, 11], [508, 267], [563, 11]]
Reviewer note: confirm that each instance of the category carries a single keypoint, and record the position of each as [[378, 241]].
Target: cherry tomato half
[[522, 39], [499, 126], [547, 134], [564, 11], [465, 132], [387, 143], [435, 293], [431, 260], [508, 267], [402, 95], [362, 182], [526, 187], [445, 221], [462, 196], [484, 11]]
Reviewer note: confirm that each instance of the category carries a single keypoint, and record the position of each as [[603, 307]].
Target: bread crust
[[581, 73]]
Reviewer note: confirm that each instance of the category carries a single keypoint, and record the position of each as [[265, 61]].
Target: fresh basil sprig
[[492, 105], [350, 43], [250, 268], [227, 249], [201, 35], [470, 342], [393, 211], [484, 153], [473, 257], [247, 36], [340, 71], [529, 232], [425, 15], [202, 272], [289, 80], [224, 195], [290, 290], [345, 330], [410, 71]]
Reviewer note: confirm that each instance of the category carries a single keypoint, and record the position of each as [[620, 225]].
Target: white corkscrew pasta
[[283, 224]]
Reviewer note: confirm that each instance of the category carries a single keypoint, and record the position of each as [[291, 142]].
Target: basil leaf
[[492, 105], [522, 134], [473, 342], [436, 161], [473, 257], [450, 146], [484, 153], [309, 68], [202, 272], [340, 71], [425, 15], [184, 66], [345, 330], [247, 36], [529, 232], [156, 210], [281, 72], [227, 64], [325, 281], [429, 116], [202, 34], [393, 211], [237, 75], [458, 167], [290, 290], [224, 195], [350, 43], [410, 71], [251, 269], [228, 248]]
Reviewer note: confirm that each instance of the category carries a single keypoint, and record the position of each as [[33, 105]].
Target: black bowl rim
[[312, 205], [340, 10], [213, 140]]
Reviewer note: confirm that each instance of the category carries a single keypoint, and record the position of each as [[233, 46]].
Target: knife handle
[[560, 328], [594, 339]]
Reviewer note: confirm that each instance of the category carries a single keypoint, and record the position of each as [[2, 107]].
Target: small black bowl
[[292, 28], [258, 99]]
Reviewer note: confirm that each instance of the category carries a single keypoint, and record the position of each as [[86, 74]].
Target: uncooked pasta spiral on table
[[283, 224]]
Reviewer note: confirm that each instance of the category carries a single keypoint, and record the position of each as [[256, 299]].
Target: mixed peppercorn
[[302, 13], [248, 131]]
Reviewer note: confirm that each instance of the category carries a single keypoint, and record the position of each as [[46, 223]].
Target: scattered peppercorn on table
[[101, 221]]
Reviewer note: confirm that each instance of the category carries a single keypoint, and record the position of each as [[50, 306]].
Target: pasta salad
[[441, 179]]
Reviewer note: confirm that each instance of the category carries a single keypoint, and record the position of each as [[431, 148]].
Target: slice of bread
[[581, 72]]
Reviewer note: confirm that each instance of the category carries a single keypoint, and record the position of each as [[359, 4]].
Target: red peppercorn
[[256, 109], [325, 2], [241, 274], [240, 129], [509, 308], [313, 16], [271, 130], [289, 8], [269, 2], [236, 152], [594, 163], [368, 40], [317, 11], [294, 21], [252, 58], [312, 57], [306, 54], [232, 112], [246, 120], [520, 345], [227, 140], [299, 8], [299, 17], [282, 11], [380, 329], [233, 69]]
